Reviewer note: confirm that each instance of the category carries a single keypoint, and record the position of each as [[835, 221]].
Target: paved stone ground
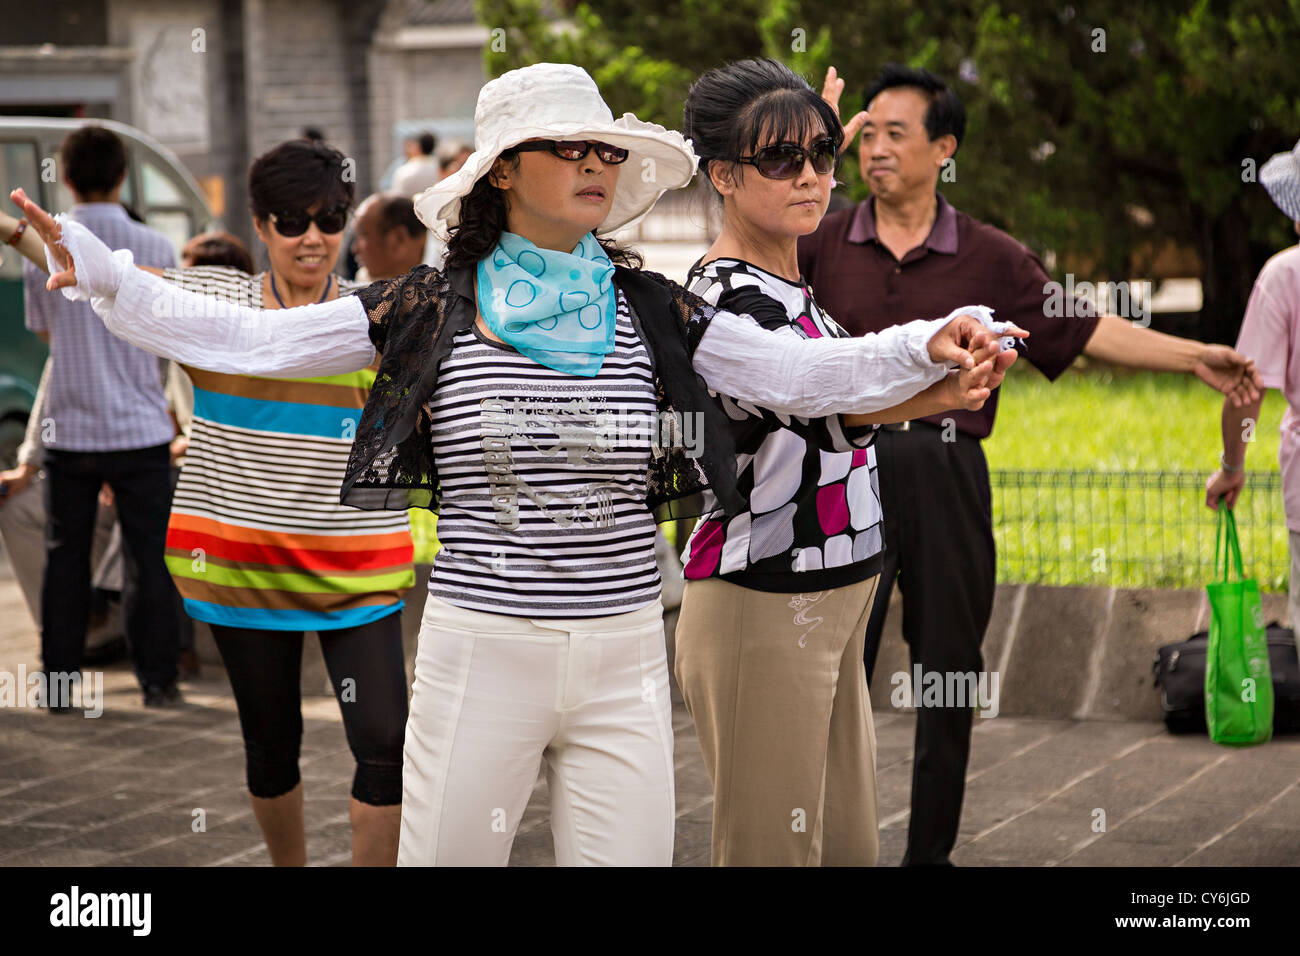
[[122, 789]]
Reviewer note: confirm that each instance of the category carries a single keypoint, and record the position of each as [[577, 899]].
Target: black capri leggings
[[368, 672]]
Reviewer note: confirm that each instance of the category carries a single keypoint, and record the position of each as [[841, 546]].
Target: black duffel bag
[[1180, 677]]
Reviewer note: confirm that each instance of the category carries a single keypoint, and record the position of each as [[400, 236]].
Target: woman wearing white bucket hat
[[522, 392], [1270, 334], [553, 101]]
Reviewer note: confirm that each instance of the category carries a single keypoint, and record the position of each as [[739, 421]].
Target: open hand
[[831, 91], [50, 233], [1228, 371]]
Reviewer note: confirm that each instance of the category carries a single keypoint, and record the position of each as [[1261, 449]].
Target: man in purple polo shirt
[[106, 422], [902, 253]]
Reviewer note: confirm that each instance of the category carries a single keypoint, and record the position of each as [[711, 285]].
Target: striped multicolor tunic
[[257, 537]]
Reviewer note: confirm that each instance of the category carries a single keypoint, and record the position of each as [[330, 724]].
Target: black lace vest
[[413, 320]]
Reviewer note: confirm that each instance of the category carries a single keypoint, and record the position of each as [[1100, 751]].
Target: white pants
[[494, 696]]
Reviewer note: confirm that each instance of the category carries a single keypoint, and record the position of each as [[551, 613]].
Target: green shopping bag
[[1238, 683]]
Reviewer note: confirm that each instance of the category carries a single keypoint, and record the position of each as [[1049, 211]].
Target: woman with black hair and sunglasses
[[260, 547], [769, 638], [544, 395]]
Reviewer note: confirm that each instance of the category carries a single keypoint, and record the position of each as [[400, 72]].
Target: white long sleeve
[[208, 332], [816, 377]]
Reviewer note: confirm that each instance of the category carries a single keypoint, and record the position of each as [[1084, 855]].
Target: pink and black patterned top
[[812, 519]]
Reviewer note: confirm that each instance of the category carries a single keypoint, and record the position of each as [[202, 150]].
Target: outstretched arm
[[856, 376], [207, 332], [1218, 366], [29, 244], [967, 389]]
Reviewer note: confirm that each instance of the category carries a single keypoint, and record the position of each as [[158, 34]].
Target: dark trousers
[[939, 543], [141, 483], [368, 671]]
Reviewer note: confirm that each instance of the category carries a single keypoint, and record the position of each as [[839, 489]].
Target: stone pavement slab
[[132, 787]]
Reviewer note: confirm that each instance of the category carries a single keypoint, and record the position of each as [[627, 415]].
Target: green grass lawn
[[1107, 419], [1096, 523]]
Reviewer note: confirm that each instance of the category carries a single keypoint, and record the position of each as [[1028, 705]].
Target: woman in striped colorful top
[[524, 372], [257, 538], [260, 547]]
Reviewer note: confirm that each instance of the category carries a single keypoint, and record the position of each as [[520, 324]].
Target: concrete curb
[[1081, 653], [1072, 652]]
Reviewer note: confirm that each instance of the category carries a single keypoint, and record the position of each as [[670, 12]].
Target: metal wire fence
[[1130, 529]]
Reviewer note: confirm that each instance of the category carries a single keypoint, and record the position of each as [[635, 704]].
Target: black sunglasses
[[291, 224], [785, 160], [574, 150]]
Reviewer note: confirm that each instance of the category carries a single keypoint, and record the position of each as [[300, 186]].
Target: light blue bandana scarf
[[557, 308]]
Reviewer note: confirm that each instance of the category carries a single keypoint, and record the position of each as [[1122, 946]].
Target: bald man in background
[[389, 239]]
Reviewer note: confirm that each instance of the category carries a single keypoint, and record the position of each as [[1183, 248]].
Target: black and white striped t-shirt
[[543, 495]]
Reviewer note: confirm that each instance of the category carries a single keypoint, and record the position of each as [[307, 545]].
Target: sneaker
[[158, 696]]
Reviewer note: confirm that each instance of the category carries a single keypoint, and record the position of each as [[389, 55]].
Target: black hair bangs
[[786, 116], [733, 110], [299, 176]]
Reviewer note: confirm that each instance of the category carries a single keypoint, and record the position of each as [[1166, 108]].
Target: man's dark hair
[[944, 116], [399, 211], [217, 249], [296, 176], [94, 160], [427, 143], [314, 133]]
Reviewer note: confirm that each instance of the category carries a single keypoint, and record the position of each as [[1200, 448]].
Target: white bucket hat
[[561, 101], [1281, 177]]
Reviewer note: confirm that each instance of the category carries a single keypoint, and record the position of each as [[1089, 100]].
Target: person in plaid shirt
[[106, 422]]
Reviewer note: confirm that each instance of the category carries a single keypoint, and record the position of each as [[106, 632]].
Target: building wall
[[260, 72], [264, 69], [180, 84], [421, 76], [44, 81], [440, 83], [383, 67], [294, 73]]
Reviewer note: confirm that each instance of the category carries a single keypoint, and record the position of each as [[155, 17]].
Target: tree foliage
[[1109, 137]]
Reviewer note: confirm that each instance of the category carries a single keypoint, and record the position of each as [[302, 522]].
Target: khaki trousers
[[778, 692]]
